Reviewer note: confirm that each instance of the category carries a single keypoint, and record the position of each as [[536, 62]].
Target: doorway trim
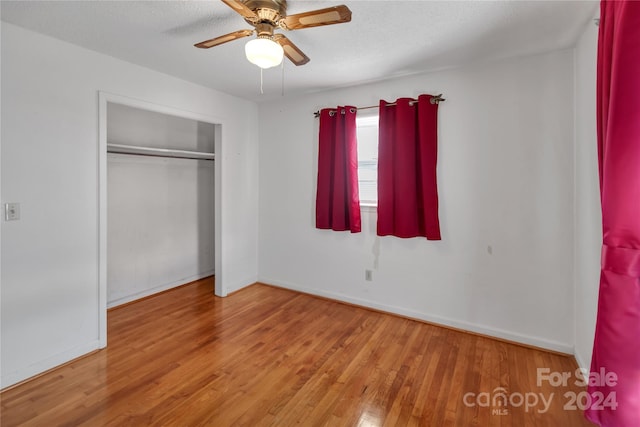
[[103, 99]]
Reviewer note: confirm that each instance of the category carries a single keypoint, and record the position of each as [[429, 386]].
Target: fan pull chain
[[261, 91], [282, 78]]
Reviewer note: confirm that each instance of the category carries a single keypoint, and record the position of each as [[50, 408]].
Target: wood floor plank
[[271, 357]]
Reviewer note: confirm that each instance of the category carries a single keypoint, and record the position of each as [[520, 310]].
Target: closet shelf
[[158, 152]]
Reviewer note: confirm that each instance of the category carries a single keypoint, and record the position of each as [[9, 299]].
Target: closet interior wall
[[160, 210]]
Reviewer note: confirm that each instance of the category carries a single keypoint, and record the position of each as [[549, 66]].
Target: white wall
[[505, 170], [588, 217], [49, 164]]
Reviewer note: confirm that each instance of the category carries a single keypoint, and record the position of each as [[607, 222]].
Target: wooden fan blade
[[291, 51], [241, 8], [224, 39], [315, 18]]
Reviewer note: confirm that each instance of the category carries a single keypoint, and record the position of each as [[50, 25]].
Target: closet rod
[[159, 152]]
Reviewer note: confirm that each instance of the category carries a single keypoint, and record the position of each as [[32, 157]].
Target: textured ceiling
[[384, 39]]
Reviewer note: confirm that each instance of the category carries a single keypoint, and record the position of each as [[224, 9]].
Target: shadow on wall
[[206, 197]]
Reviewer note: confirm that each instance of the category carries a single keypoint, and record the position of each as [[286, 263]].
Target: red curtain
[[407, 156], [337, 199], [617, 339]]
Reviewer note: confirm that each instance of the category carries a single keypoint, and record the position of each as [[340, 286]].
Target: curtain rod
[[436, 99]]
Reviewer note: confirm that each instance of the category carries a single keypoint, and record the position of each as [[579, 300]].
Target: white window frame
[[364, 120]]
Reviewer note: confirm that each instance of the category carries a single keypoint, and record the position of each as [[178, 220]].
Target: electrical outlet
[[368, 275], [11, 211]]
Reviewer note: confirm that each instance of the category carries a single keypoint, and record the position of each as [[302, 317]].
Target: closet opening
[[159, 226]]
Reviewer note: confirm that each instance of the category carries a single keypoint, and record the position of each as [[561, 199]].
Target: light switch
[[11, 211]]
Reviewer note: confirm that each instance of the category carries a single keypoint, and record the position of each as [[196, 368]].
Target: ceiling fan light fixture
[[264, 52]]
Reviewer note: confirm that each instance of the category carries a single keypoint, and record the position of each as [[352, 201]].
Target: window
[[368, 159]]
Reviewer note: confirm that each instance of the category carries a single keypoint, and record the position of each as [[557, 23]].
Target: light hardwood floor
[[270, 357]]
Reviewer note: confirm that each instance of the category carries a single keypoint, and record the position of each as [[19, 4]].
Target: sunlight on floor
[[370, 419]]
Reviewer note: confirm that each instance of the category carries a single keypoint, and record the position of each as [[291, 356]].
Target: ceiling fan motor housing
[[268, 11]]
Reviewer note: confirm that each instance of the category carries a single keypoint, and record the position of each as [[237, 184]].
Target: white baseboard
[[239, 284], [157, 289], [444, 321], [49, 363]]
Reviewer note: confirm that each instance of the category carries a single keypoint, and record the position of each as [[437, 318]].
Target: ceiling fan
[[268, 15]]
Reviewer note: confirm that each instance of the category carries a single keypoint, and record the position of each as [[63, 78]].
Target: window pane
[[368, 159]]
